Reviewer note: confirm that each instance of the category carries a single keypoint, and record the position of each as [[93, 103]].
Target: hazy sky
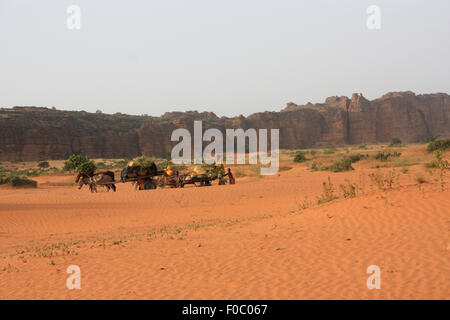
[[227, 56]]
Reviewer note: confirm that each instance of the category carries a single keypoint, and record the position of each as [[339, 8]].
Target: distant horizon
[[65, 109]]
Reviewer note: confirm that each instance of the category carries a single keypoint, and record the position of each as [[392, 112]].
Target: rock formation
[[32, 134]]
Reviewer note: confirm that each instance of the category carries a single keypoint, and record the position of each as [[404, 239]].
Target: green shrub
[[383, 156], [339, 165], [87, 167], [74, 161], [313, 152], [356, 157], [43, 164], [429, 139], [439, 145], [80, 163], [299, 157], [395, 142], [18, 181], [344, 164], [363, 146], [329, 151]]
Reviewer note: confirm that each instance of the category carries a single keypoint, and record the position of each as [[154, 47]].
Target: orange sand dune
[[252, 240]]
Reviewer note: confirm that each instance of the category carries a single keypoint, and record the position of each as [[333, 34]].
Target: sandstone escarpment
[[28, 133], [40, 133]]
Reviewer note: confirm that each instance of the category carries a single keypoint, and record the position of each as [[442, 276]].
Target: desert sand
[[258, 239]]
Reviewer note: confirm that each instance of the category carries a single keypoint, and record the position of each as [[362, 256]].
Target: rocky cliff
[[31, 134]]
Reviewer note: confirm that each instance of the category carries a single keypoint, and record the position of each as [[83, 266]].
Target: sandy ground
[[252, 240]]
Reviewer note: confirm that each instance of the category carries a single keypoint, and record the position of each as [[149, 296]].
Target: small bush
[[384, 156], [356, 157], [15, 180], [87, 167], [339, 165], [299, 157], [329, 151], [43, 164], [348, 189], [439, 145], [395, 142], [74, 161], [429, 139], [305, 204], [363, 146], [327, 193], [313, 152], [384, 182]]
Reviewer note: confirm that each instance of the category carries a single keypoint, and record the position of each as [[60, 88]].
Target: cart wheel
[[149, 185]]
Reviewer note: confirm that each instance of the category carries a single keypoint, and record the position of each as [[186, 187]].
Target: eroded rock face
[[32, 134], [29, 134]]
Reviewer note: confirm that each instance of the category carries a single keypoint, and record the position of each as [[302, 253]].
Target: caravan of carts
[[147, 178]]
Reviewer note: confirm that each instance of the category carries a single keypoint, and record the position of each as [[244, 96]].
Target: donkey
[[104, 178]]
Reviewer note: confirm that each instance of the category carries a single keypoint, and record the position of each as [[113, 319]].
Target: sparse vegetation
[[329, 151], [395, 142], [79, 163], [348, 189], [15, 180], [357, 157], [315, 166], [438, 145], [384, 181], [442, 165], [143, 161], [43, 164], [299, 157], [305, 204], [384, 156], [327, 192], [344, 164]]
